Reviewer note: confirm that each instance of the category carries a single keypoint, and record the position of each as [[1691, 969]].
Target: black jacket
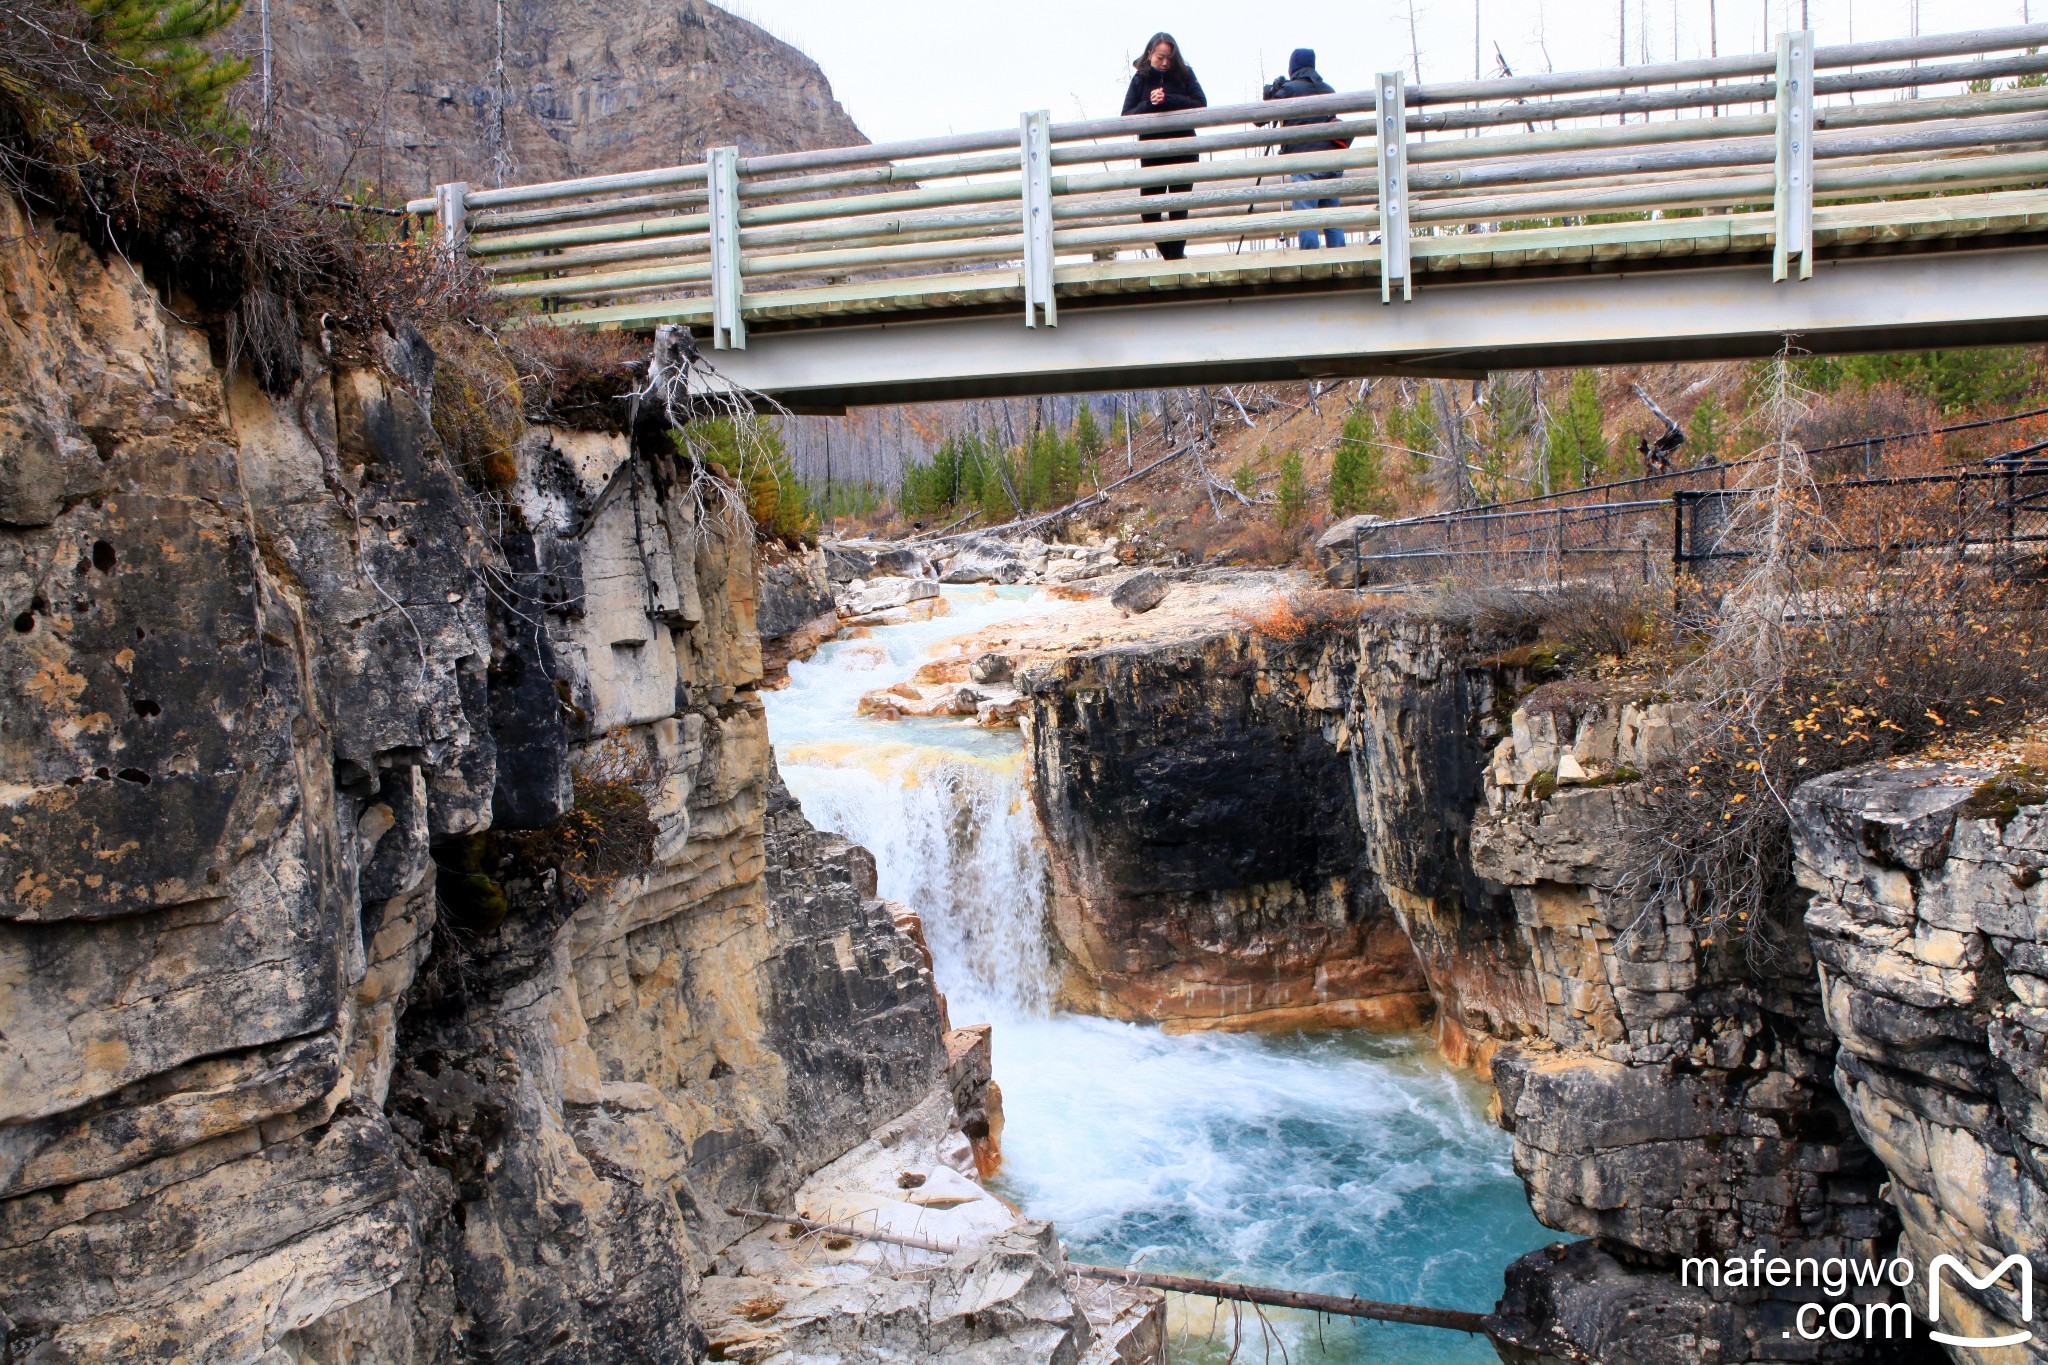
[[1183, 91], [1298, 84]]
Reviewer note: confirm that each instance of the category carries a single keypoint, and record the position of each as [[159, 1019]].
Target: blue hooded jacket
[[1302, 79]]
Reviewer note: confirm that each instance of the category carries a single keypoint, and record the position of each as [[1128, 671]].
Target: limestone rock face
[[796, 612], [1930, 922], [1421, 718], [1677, 1099], [406, 955], [411, 95], [1208, 864]]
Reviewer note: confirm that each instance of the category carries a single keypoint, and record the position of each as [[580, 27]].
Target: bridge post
[[1035, 159], [1794, 105], [728, 327], [451, 214], [1390, 122]]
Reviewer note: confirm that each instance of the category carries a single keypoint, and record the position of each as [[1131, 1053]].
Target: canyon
[[1260, 820]]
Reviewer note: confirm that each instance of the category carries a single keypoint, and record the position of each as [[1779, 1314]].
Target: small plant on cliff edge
[[607, 832], [750, 452]]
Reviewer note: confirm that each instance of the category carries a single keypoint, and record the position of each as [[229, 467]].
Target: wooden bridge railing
[[1049, 203]]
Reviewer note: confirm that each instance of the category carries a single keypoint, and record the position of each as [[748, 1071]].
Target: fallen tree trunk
[[1453, 1319]]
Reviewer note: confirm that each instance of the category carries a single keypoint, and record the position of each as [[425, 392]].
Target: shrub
[[1887, 663], [476, 405], [1607, 616]]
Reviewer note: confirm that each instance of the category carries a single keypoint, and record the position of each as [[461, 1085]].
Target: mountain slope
[[403, 94]]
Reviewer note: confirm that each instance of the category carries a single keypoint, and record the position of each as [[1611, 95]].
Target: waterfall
[[953, 837], [941, 804]]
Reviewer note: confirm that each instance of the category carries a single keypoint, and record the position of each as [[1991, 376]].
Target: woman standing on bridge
[[1162, 83]]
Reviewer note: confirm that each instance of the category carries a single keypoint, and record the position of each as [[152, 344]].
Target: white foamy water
[[1342, 1163]]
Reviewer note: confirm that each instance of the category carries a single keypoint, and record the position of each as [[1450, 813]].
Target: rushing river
[[1342, 1163]]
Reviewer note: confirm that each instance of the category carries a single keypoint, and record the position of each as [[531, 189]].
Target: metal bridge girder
[[1390, 122], [1036, 156], [1794, 167]]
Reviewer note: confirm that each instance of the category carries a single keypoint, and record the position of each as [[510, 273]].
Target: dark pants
[[1171, 251]]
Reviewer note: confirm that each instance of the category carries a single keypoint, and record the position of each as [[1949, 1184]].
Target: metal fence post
[[1390, 114], [451, 211], [728, 327], [1795, 156], [1035, 157]]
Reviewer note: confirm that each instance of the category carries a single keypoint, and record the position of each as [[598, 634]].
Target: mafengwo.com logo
[[1852, 1284], [2016, 1263]]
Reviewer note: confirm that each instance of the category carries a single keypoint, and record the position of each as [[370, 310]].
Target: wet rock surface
[[1209, 866]]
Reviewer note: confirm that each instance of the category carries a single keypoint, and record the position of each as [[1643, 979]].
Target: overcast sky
[[916, 68]]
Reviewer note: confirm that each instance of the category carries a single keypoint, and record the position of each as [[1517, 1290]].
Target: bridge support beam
[[728, 324], [451, 213], [1036, 154], [1390, 121], [1794, 199], [1903, 302]]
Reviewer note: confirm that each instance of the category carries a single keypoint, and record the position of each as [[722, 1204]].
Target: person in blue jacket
[[1163, 83], [1302, 80]]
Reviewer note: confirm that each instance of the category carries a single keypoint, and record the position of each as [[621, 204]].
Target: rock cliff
[[1872, 1086], [407, 95], [1930, 922], [407, 954]]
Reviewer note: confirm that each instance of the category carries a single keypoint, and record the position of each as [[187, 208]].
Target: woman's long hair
[[1176, 66]]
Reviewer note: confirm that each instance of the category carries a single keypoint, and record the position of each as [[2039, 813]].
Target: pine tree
[[1708, 430], [751, 452], [1356, 481], [166, 44], [1410, 426], [1246, 479], [1576, 448], [1293, 490], [1089, 443]]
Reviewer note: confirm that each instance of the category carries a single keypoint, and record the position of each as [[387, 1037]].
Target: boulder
[[985, 560], [846, 561], [1141, 592], [866, 597], [991, 668], [1333, 551]]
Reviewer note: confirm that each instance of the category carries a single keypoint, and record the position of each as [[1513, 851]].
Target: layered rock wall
[[1929, 918], [404, 956]]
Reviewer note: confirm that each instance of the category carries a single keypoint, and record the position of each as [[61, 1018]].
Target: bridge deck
[[1841, 232]]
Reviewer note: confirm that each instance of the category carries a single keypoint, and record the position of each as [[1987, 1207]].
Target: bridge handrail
[[915, 215], [1457, 92]]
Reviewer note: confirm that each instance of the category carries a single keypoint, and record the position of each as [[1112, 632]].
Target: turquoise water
[[1341, 1163]]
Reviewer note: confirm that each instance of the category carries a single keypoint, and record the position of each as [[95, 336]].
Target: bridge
[[1871, 196]]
